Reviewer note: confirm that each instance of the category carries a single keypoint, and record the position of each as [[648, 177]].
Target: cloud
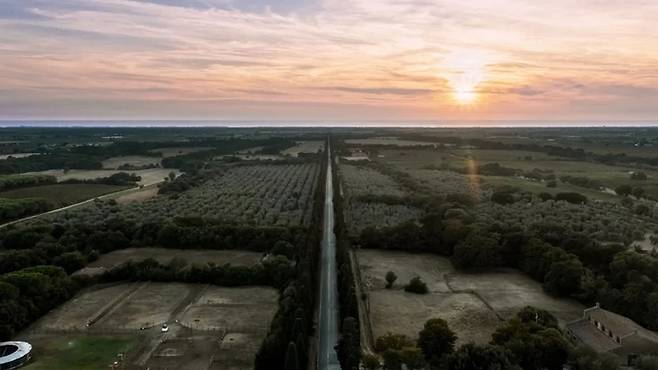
[[393, 54], [380, 90]]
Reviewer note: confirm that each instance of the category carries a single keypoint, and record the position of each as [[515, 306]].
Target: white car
[[165, 328]]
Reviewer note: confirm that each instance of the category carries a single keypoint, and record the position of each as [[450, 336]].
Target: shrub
[[639, 176], [390, 279], [416, 285], [574, 198]]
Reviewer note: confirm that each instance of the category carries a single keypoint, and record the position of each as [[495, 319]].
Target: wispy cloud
[[280, 58]]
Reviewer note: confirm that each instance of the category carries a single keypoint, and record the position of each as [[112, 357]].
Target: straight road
[[328, 334]]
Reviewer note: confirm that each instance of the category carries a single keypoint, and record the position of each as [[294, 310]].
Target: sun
[[464, 96], [465, 71]]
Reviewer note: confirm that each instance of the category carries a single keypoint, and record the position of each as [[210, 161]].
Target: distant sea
[[300, 123]]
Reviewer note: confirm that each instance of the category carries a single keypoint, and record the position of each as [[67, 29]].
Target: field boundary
[[367, 339], [71, 206], [446, 278], [114, 304]]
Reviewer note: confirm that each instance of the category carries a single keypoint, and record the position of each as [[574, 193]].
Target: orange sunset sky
[[329, 59]]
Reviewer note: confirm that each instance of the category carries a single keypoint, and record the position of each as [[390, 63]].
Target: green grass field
[[78, 352], [62, 194], [610, 176]]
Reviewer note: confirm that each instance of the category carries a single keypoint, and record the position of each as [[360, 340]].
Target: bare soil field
[[474, 305], [164, 256], [405, 313], [209, 327], [132, 160], [179, 150], [149, 177], [138, 195], [150, 306]]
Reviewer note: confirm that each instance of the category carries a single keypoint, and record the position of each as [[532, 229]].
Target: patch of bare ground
[[138, 195], [473, 304], [210, 327]]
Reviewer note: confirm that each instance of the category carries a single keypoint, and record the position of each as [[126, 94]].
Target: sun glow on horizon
[[466, 70]]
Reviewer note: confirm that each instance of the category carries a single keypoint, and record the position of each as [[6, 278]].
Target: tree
[[571, 197], [436, 340], [545, 196], [349, 347], [533, 345], [283, 248], [564, 277], [647, 363], [410, 357], [623, 190], [642, 210], [638, 192], [585, 358], [392, 341], [480, 249], [473, 357], [503, 197], [639, 175], [292, 359], [417, 286], [391, 277], [370, 362]]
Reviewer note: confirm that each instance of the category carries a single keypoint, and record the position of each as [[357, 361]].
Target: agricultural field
[[138, 195], [176, 151], [164, 256], [130, 160], [361, 215], [394, 141], [360, 181], [16, 155], [307, 147], [447, 182], [473, 304], [149, 176], [610, 176], [206, 324], [254, 157], [78, 352], [61, 195], [254, 195], [601, 221]]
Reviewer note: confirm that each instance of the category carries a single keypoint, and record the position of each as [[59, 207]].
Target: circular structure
[[14, 354]]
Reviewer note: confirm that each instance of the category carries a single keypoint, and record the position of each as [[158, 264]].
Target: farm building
[[14, 354], [606, 331]]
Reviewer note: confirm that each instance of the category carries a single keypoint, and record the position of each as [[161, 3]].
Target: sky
[[339, 60]]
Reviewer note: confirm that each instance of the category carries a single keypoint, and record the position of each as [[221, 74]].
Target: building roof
[[19, 350], [592, 336], [634, 338], [620, 325]]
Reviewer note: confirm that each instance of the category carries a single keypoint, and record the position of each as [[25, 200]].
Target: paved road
[[328, 334]]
